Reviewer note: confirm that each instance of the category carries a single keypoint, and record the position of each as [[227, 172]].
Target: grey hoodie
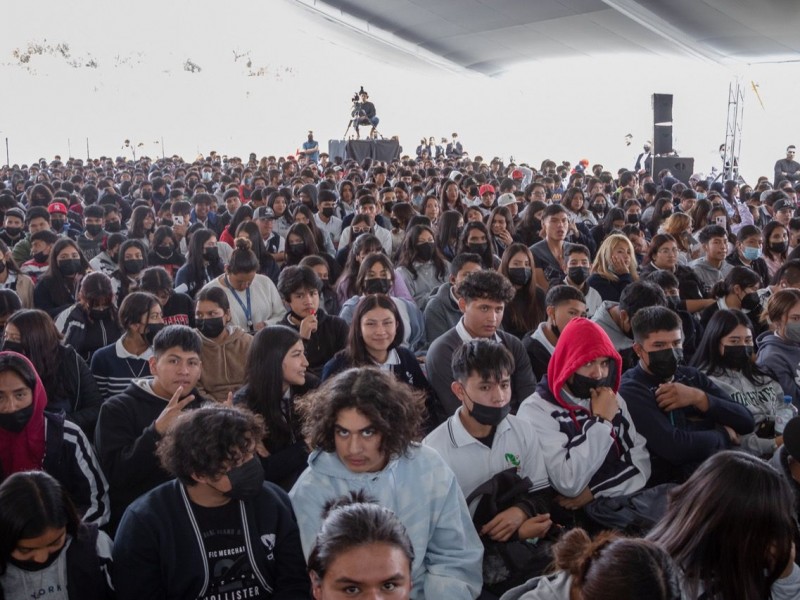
[[708, 274], [781, 360], [546, 587], [763, 400]]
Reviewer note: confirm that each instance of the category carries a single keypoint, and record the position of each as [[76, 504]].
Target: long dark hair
[[447, 230], [707, 357], [264, 380], [705, 532], [524, 310], [408, 252], [457, 205], [40, 341], [487, 258], [356, 352], [312, 225], [32, 502], [257, 245], [136, 229], [304, 232], [195, 264], [365, 242], [245, 211], [62, 284], [121, 272]]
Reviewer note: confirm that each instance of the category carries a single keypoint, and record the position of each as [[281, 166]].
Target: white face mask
[[206, 176]]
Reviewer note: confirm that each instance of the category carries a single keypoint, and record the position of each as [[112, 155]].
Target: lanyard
[[248, 311]]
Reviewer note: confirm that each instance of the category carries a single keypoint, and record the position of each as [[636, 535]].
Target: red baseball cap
[[57, 207], [486, 188]]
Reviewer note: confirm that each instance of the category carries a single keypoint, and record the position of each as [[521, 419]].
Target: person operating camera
[[364, 113]]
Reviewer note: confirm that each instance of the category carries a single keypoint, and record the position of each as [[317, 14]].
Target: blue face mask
[[751, 253], [701, 196]]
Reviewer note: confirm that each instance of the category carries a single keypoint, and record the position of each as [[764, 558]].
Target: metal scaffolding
[[733, 131]]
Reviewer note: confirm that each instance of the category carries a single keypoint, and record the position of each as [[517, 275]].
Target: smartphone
[[178, 220]]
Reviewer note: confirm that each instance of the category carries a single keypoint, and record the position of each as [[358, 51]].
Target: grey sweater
[[441, 312], [440, 372]]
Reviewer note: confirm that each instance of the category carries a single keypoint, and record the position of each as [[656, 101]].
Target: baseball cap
[[56, 207], [506, 199], [264, 212], [486, 188], [782, 204], [517, 174]]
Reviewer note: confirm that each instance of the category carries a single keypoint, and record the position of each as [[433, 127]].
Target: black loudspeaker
[[662, 139], [662, 108], [681, 167]]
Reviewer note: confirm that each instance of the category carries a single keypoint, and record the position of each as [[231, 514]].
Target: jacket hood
[[769, 339], [329, 464], [582, 341], [24, 451]]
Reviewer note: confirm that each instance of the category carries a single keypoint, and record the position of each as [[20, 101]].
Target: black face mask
[[211, 327], [297, 249], [57, 224], [93, 229], [489, 415], [69, 266], [519, 275], [599, 210], [10, 346], [674, 302], [164, 251], [425, 251], [327, 212], [779, 247], [664, 363], [113, 226], [32, 565], [13, 231], [16, 421], [578, 275], [211, 254], [581, 386], [133, 266], [247, 480], [151, 331], [478, 248], [737, 357], [751, 302], [377, 285], [666, 213], [98, 314], [632, 218], [40, 257]]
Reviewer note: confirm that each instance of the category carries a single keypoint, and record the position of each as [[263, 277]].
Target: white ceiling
[[489, 36]]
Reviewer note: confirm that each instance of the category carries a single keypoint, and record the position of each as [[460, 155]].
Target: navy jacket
[[680, 440], [159, 553]]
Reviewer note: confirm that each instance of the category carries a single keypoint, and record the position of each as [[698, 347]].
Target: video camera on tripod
[[356, 100]]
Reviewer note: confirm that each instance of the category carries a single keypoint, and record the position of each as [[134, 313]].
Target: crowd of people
[[442, 377]]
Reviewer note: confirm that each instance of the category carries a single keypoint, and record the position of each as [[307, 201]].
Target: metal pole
[[163, 155], [69, 149], [88, 156], [8, 160]]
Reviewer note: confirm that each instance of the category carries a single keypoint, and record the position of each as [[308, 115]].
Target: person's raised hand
[[604, 403], [172, 410], [308, 326]]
